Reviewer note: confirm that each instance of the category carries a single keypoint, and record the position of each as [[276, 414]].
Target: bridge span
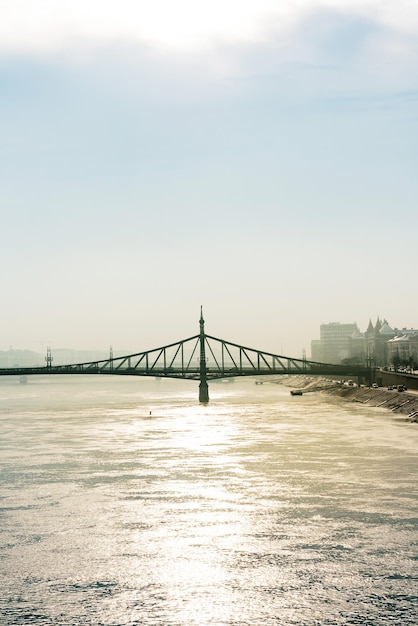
[[201, 357]]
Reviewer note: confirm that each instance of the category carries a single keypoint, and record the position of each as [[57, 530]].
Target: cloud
[[282, 155], [46, 26]]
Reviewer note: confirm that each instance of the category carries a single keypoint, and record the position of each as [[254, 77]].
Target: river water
[[124, 502]]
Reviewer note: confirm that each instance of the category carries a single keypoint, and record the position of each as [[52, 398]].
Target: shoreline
[[404, 403]]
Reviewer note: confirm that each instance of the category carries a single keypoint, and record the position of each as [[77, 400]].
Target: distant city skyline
[[379, 343], [329, 353], [255, 158]]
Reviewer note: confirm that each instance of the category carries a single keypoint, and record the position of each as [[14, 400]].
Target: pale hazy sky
[[258, 158]]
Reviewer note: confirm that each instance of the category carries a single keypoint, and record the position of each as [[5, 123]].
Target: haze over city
[[258, 160]]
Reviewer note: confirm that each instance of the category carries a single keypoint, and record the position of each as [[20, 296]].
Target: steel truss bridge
[[201, 357]]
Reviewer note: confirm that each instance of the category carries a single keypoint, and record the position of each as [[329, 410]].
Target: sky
[[256, 158]]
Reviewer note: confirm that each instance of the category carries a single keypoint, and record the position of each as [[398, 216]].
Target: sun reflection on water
[[254, 509]]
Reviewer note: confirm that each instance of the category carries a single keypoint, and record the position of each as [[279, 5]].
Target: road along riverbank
[[403, 402]]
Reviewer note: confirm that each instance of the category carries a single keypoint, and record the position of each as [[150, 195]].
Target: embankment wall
[[398, 402], [395, 378], [403, 402]]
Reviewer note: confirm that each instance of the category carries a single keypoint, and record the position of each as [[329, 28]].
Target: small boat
[[296, 392]]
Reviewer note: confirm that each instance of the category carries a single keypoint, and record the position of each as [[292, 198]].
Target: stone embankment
[[403, 402]]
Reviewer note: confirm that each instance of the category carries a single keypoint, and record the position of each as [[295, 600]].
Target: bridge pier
[[203, 392]]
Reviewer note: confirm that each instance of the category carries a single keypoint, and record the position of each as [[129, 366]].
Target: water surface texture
[[124, 502]]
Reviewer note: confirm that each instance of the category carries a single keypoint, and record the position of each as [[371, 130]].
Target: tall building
[[380, 344], [334, 344]]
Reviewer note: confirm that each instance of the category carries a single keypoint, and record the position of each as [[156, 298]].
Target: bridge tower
[[49, 358], [203, 387]]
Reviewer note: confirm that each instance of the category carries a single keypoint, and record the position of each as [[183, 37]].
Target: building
[[376, 339], [334, 343], [403, 349], [19, 358], [380, 344], [316, 350]]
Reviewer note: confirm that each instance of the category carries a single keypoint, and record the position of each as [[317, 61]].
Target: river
[[124, 502]]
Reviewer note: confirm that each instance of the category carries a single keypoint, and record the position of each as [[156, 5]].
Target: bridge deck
[[200, 357]]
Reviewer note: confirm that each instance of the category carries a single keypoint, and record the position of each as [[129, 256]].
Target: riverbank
[[405, 403]]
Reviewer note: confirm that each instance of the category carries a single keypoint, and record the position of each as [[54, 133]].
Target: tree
[[396, 361]]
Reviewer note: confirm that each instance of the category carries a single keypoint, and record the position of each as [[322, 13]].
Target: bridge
[[201, 357]]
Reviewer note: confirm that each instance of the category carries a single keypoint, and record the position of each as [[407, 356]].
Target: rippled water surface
[[125, 502]]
